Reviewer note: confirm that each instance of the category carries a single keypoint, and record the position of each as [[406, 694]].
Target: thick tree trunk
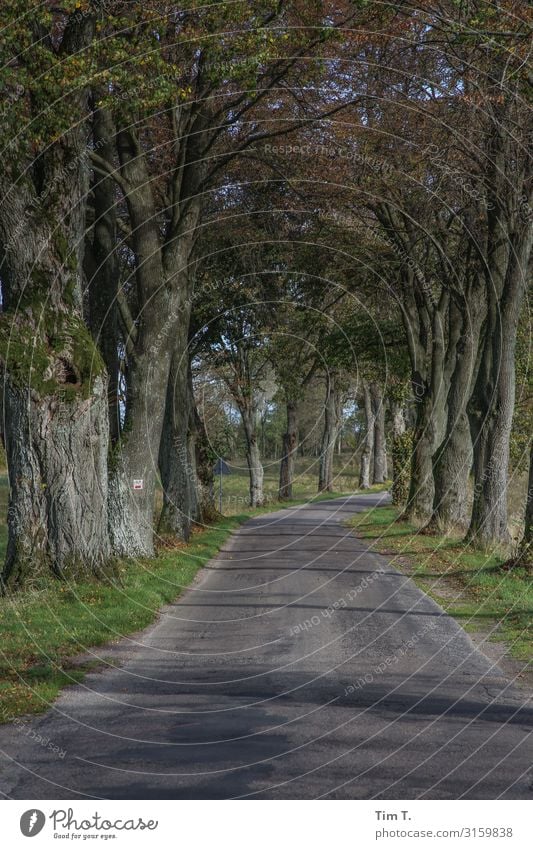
[[290, 447], [509, 240], [421, 487], [102, 267], [400, 454], [55, 384], [133, 470], [177, 459], [55, 411], [204, 458], [431, 396], [56, 453], [332, 415], [367, 456], [398, 424], [253, 455], [161, 282], [452, 460], [133, 465], [492, 404], [255, 468], [380, 445], [490, 414], [524, 556], [452, 464], [425, 437], [527, 538]]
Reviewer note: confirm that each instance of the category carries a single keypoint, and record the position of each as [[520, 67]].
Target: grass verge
[[469, 584], [42, 630]]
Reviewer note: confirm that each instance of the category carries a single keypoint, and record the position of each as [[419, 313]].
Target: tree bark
[[490, 415], [204, 458], [253, 455], [133, 467], [492, 404], [332, 415], [177, 458], [367, 456], [452, 460], [255, 467], [55, 410], [380, 445], [290, 447], [430, 396], [55, 383], [524, 556], [401, 452], [527, 538], [57, 458], [133, 470], [101, 266], [398, 426], [161, 265]]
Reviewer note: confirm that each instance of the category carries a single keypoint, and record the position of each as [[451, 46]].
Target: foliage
[[402, 447]]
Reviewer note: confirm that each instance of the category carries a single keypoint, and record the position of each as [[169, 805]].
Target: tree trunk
[[204, 459], [56, 453], [490, 415], [133, 470], [255, 467], [527, 537], [422, 488], [380, 445], [177, 460], [367, 456], [290, 447], [332, 415], [253, 455], [101, 266], [55, 411], [452, 460], [398, 418], [133, 465], [400, 454], [508, 245], [492, 404], [524, 556], [55, 384], [430, 395]]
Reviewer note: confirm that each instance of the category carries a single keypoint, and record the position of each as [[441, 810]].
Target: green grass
[[469, 584]]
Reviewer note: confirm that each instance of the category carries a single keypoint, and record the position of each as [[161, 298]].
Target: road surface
[[299, 666]]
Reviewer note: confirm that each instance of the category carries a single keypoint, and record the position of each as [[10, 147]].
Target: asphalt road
[[299, 665]]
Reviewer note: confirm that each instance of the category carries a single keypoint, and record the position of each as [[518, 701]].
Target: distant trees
[[445, 178]]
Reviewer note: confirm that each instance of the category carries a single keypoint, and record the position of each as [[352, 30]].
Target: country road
[[298, 666]]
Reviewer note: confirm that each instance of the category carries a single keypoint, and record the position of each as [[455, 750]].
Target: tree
[[380, 444], [367, 455], [332, 422], [55, 382]]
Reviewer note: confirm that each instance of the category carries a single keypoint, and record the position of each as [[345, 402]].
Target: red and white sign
[[138, 484]]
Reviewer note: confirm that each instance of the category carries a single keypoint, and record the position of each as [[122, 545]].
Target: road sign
[[221, 467]]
